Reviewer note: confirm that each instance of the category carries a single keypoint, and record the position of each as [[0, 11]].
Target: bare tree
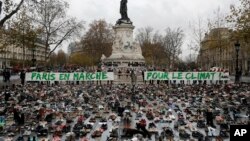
[[61, 58], [173, 40], [144, 35], [56, 24], [98, 40], [152, 45], [198, 31], [218, 22]]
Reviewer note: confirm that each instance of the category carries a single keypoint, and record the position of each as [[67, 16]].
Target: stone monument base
[[125, 51]]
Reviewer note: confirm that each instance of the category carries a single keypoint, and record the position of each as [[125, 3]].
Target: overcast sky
[[158, 14]]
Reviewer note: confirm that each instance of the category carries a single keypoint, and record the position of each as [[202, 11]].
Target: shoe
[[96, 134], [26, 133], [114, 133], [224, 127], [197, 134], [201, 124], [151, 125], [184, 134], [169, 132], [207, 138], [104, 126], [181, 122], [20, 138], [211, 132], [223, 134], [176, 125]]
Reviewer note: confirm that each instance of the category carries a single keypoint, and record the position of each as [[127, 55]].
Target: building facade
[[15, 55], [218, 50], [74, 48]]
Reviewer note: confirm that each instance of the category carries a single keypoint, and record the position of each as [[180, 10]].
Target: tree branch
[[8, 16]]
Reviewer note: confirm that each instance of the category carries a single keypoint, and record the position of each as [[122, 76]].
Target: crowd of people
[[114, 112]]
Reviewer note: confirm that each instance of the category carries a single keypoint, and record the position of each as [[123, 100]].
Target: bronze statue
[[123, 9], [0, 7], [124, 14]]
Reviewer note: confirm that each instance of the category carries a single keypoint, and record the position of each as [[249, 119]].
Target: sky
[[158, 14]]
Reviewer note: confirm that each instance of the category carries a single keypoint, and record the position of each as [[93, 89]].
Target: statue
[[124, 13], [0, 7], [123, 10]]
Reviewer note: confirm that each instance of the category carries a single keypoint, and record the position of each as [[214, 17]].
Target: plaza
[[121, 82]]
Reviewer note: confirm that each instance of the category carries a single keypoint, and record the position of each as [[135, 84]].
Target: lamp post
[[237, 49]]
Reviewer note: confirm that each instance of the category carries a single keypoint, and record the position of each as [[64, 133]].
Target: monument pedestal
[[125, 51]]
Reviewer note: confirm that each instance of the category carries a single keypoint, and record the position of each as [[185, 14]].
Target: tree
[[53, 59], [144, 35], [173, 40], [22, 33], [152, 46], [56, 24], [198, 31], [61, 58], [217, 25], [240, 18], [98, 40], [80, 59], [10, 8]]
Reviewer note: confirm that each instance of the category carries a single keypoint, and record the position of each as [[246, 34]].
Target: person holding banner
[[133, 80], [22, 77]]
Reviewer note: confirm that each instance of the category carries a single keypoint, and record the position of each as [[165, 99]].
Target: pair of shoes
[[114, 133], [197, 134], [151, 125], [218, 138], [184, 134], [20, 138], [181, 122], [169, 132], [96, 134], [26, 133], [207, 138], [201, 124], [211, 132], [223, 134], [104, 126], [224, 127]]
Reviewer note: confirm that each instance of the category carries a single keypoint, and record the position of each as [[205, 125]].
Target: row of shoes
[[183, 134], [96, 133]]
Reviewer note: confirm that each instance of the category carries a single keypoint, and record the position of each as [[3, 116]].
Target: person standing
[[6, 75], [119, 74], [133, 79], [143, 73], [22, 77], [99, 71]]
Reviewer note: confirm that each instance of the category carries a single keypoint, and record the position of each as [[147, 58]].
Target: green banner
[[75, 76], [158, 75]]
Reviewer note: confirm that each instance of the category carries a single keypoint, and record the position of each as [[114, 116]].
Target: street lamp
[[237, 49]]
